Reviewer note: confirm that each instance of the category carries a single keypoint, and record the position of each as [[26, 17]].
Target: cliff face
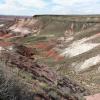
[[26, 26], [54, 24]]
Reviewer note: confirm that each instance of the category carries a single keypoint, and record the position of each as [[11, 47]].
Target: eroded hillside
[[58, 49]]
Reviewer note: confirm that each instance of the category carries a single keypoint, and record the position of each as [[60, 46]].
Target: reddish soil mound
[[54, 54], [44, 46], [41, 45], [5, 44], [1, 35], [48, 51], [8, 35], [51, 53], [59, 58]]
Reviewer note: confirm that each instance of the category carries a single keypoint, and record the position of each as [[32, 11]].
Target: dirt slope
[[68, 45]]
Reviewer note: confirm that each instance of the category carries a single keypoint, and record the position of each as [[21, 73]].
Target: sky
[[34, 7]]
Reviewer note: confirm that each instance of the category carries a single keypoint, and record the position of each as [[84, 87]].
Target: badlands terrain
[[49, 57]]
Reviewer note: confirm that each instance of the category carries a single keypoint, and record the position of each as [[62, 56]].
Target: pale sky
[[33, 7]]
